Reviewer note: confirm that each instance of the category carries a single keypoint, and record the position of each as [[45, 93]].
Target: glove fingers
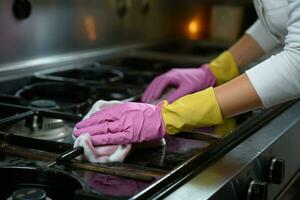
[[113, 138], [150, 89], [90, 122], [96, 118], [175, 95], [104, 128], [160, 89]]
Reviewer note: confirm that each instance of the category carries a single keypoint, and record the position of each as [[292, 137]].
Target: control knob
[[257, 190], [276, 171]]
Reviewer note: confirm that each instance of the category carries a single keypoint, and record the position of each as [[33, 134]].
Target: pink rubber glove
[[186, 81], [125, 123]]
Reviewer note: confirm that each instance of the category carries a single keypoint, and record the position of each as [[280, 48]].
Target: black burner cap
[[43, 103], [29, 194]]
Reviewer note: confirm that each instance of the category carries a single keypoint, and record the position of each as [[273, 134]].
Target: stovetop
[[37, 116]]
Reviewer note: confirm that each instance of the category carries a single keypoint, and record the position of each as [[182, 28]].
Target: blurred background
[[35, 29]]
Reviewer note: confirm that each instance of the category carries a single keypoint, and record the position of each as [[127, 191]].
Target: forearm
[[245, 51], [237, 96], [229, 64]]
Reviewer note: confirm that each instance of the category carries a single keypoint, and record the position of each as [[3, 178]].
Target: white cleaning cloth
[[101, 154]]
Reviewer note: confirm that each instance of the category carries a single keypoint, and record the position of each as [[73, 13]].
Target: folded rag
[[101, 154]]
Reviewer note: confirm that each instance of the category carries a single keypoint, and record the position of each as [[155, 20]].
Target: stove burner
[[56, 95], [43, 128], [55, 183], [29, 194], [48, 104]]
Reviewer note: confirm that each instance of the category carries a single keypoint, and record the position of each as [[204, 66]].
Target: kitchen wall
[[60, 26]]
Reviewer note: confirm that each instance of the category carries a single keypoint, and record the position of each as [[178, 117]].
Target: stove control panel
[[257, 188], [260, 168]]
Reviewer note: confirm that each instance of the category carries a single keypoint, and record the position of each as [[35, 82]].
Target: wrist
[[163, 129], [197, 110], [224, 67], [209, 77]]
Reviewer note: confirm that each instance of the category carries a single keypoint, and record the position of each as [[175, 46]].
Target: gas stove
[[38, 114]]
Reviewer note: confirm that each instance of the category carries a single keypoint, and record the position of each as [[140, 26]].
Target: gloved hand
[[186, 81], [137, 122], [100, 154], [125, 123]]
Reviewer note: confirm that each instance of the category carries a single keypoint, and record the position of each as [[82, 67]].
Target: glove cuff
[[197, 110], [224, 67], [163, 124], [210, 78]]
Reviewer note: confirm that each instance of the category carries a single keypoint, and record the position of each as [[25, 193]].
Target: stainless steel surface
[[59, 27], [230, 176], [29, 66], [291, 192], [56, 27]]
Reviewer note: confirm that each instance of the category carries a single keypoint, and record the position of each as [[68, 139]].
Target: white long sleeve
[[277, 79], [262, 36]]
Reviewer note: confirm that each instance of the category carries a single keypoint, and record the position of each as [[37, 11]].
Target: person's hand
[[186, 81], [100, 154], [124, 123]]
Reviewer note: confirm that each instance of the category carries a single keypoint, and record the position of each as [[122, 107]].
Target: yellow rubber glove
[[196, 110], [225, 128], [224, 67]]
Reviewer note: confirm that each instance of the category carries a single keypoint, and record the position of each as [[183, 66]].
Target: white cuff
[[276, 80], [262, 36]]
